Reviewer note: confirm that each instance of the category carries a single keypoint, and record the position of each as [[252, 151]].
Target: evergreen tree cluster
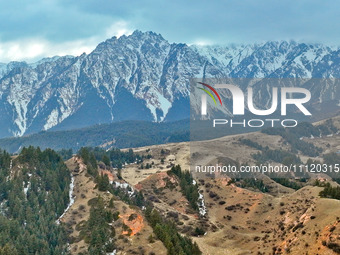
[[89, 160], [125, 134], [251, 143], [250, 183], [65, 154], [166, 231], [97, 231], [330, 192], [90, 156], [34, 193], [304, 129], [287, 183], [188, 188], [135, 198], [103, 182], [331, 158], [280, 156], [112, 158]]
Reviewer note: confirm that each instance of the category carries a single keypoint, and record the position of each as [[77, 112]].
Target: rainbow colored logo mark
[[209, 93]]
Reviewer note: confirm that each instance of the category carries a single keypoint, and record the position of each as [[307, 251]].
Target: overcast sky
[[32, 29]]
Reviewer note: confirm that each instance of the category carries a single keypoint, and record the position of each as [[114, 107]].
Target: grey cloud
[[219, 21]]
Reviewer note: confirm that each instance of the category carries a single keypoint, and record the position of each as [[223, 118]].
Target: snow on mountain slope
[[142, 77]]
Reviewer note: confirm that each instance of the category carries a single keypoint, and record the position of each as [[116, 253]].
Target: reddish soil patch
[[109, 174], [136, 224]]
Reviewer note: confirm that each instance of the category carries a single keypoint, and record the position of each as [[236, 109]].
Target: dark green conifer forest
[[34, 192]]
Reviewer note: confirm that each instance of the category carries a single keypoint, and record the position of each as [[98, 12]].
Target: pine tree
[[106, 160], [8, 250], [103, 182]]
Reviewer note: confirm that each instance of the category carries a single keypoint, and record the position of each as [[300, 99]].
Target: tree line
[[188, 188]]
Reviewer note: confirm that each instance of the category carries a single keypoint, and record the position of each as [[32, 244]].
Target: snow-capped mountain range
[[143, 77]]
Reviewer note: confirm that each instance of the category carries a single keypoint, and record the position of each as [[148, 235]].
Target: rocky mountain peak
[[142, 77]]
